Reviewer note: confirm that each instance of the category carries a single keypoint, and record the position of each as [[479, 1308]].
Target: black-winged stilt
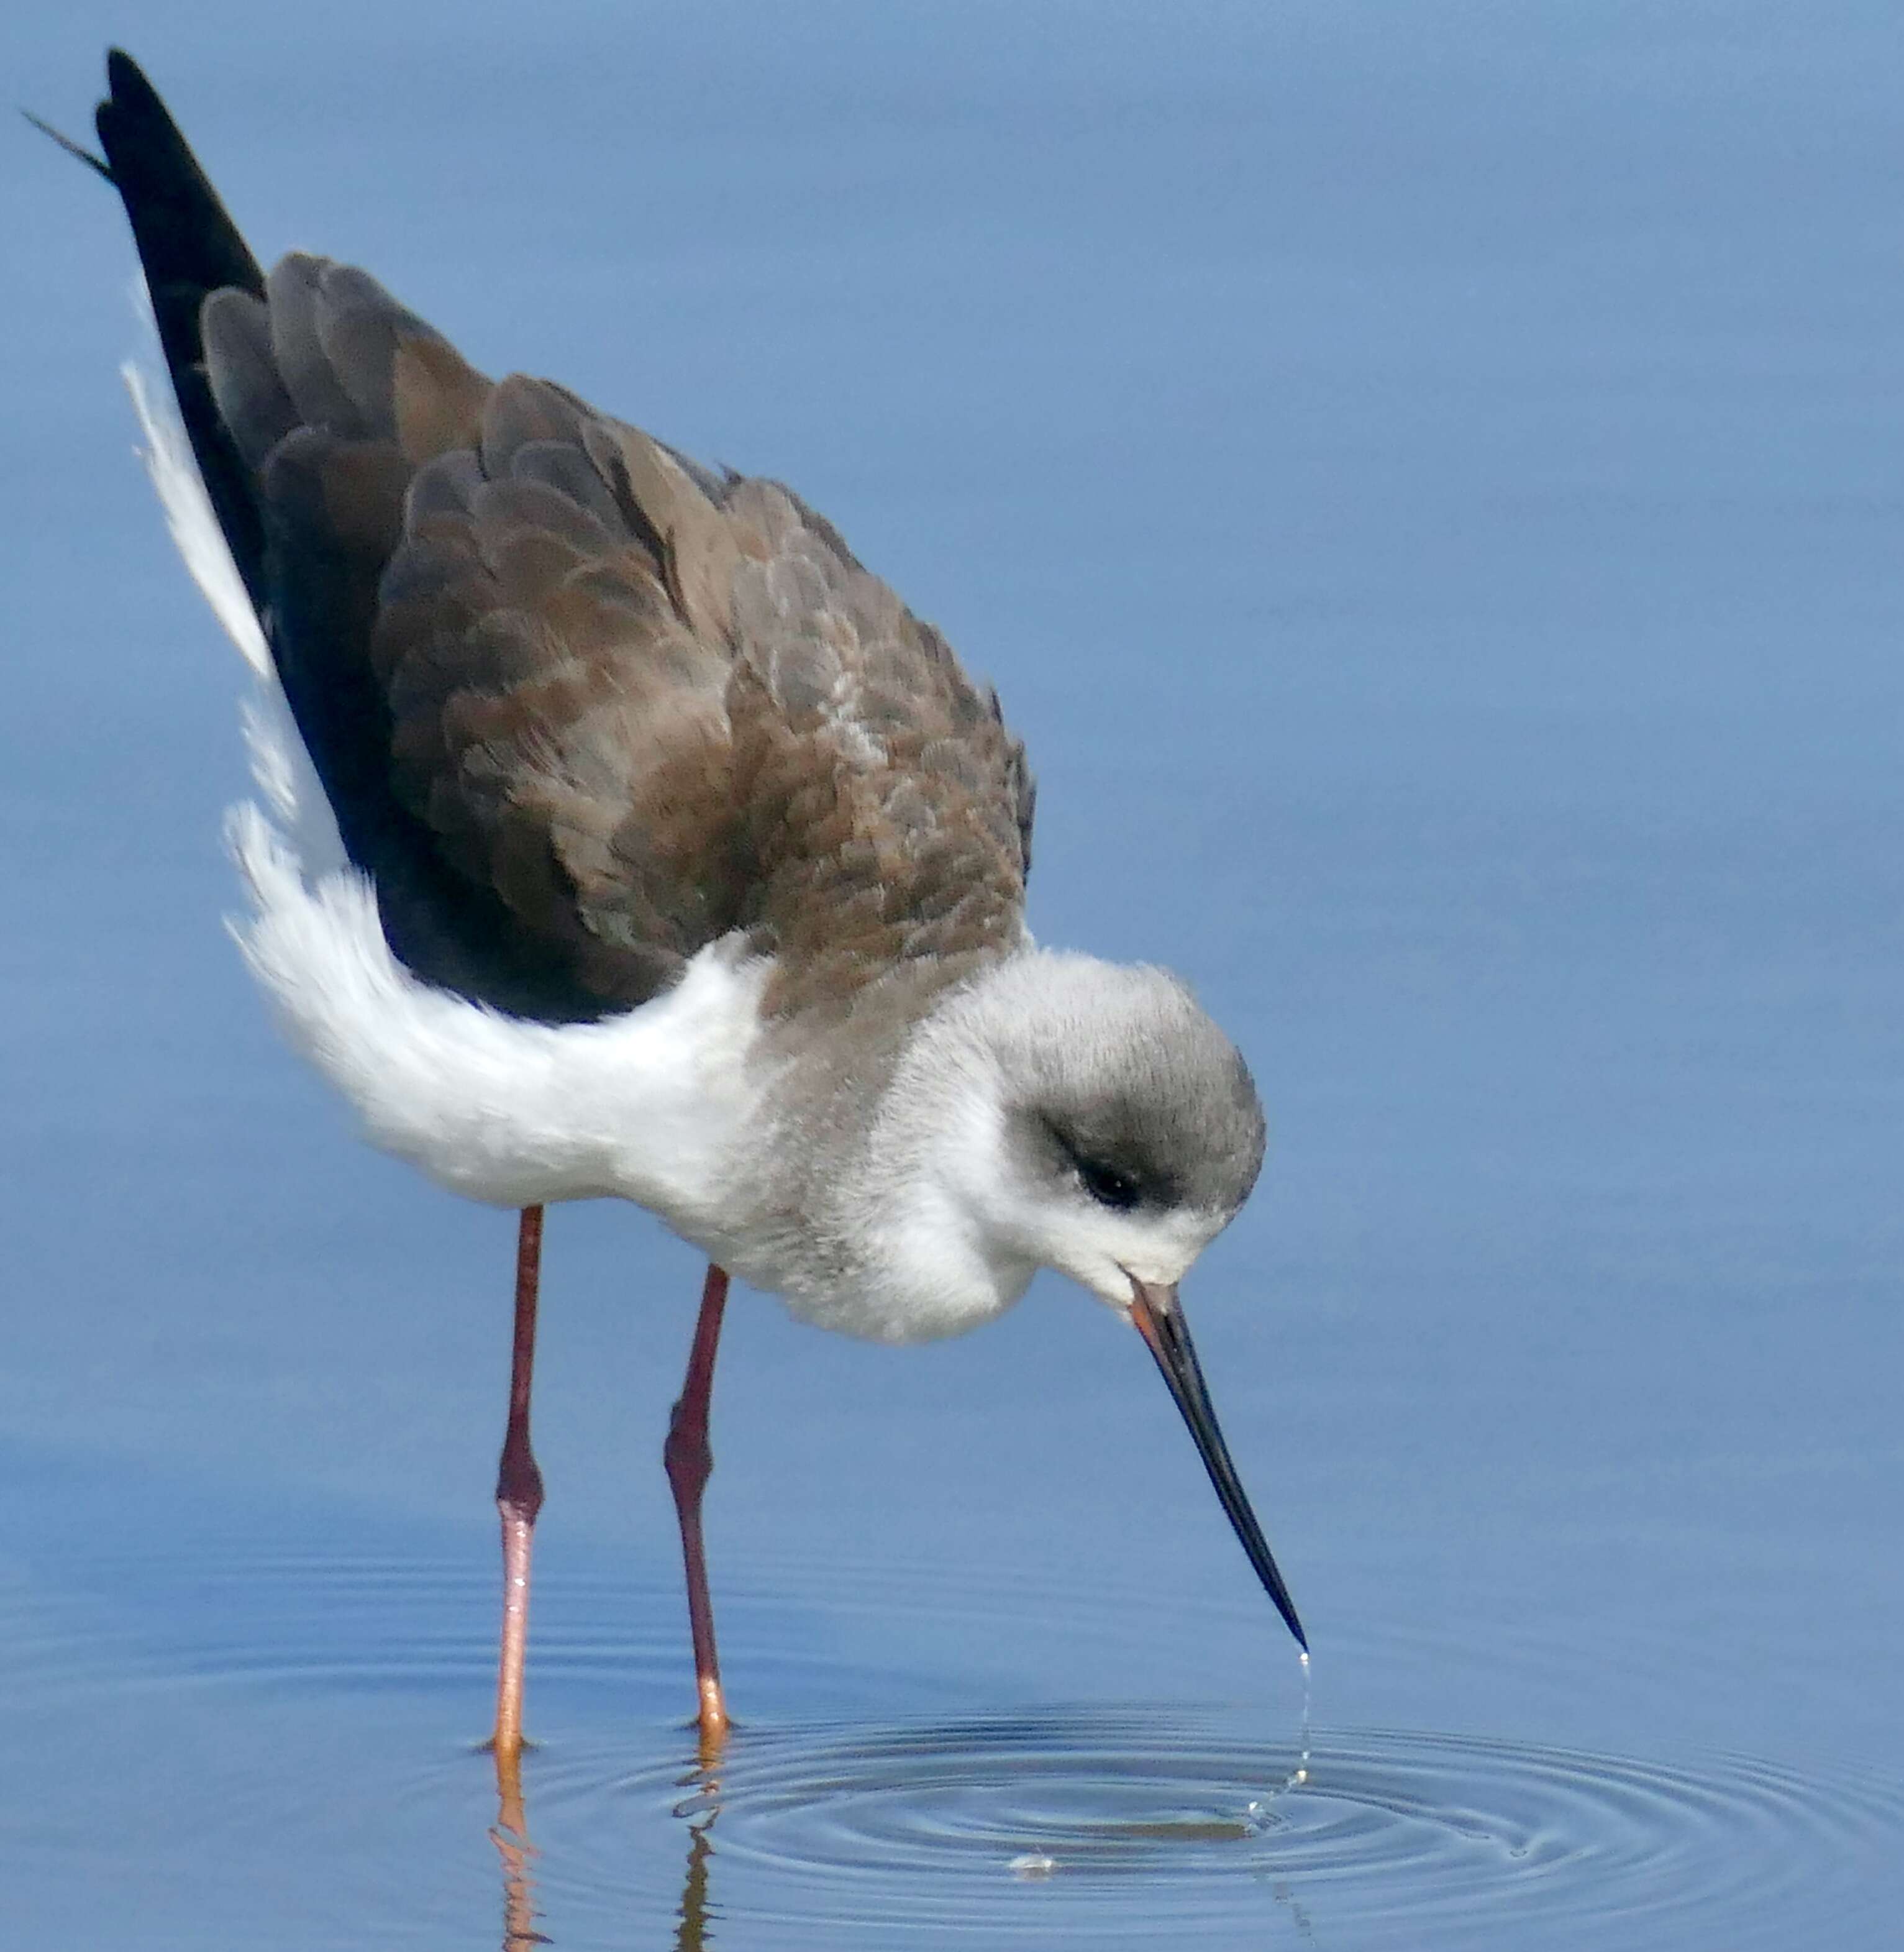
[[623, 836]]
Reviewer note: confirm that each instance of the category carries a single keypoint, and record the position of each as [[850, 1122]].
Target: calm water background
[[1426, 481]]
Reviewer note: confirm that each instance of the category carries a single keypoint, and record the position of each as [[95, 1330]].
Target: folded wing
[[581, 707]]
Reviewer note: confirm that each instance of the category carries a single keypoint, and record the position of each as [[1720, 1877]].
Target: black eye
[[1107, 1186]]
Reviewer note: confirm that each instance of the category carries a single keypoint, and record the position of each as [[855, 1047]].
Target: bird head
[[1124, 1130], [1093, 1119]]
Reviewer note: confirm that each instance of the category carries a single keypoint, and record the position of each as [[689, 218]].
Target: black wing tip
[[129, 87], [131, 104], [184, 235]]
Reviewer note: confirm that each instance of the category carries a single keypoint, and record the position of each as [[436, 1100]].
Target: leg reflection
[[691, 1930], [510, 1835], [698, 1811]]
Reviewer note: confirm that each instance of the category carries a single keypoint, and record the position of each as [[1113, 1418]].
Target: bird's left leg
[[690, 1460], [518, 1496]]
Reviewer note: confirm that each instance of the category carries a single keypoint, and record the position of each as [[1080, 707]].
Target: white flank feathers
[[648, 1105]]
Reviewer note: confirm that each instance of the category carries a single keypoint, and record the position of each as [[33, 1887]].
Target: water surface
[[1426, 486]]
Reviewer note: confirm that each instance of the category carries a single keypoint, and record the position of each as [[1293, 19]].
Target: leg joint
[[519, 1482], [686, 1453]]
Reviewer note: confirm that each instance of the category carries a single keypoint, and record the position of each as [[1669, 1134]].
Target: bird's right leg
[[518, 1496], [689, 1460]]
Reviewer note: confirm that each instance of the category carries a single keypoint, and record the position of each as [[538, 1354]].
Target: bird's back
[[581, 707]]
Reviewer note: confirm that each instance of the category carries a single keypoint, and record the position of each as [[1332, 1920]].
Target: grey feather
[[293, 293], [251, 398]]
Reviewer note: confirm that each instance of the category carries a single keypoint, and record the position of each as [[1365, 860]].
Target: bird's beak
[[1159, 1319]]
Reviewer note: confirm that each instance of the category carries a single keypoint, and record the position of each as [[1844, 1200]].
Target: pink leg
[[518, 1494], [689, 1461]]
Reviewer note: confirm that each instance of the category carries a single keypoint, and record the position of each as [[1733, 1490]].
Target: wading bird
[[624, 836]]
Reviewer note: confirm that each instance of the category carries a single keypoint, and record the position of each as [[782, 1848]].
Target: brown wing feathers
[[557, 721], [882, 811], [581, 707], [473, 618]]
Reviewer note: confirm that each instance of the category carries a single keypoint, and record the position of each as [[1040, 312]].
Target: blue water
[[1427, 483]]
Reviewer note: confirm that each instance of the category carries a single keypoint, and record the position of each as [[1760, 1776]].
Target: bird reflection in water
[[691, 1921], [510, 1835]]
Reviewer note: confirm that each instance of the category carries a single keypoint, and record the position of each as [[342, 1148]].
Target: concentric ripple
[[294, 1671], [1100, 1825]]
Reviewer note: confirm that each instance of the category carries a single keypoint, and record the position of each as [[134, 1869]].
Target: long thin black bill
[[1159, 1320]]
